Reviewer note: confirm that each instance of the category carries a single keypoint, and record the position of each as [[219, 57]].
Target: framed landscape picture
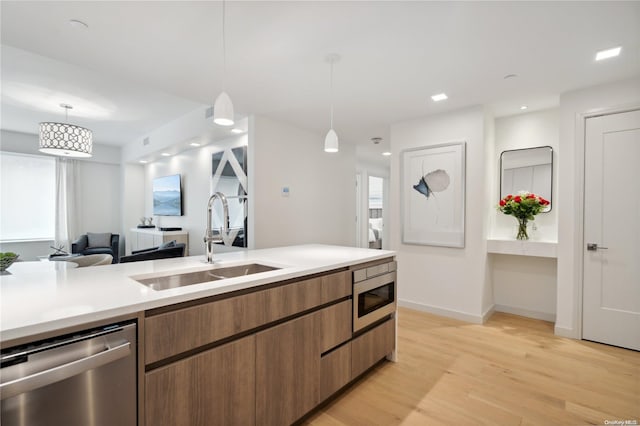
[[432, 195]]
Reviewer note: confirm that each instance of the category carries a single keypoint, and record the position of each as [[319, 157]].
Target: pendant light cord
[[224, 49], [331, 92]]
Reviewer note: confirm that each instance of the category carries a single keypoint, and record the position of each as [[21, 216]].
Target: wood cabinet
[[372, 346], [293, 348], [335, 370], [178, 331], [288, 371], [336, 325], [214, 387]]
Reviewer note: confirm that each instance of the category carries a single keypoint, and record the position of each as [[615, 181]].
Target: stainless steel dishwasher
[[82, 379]]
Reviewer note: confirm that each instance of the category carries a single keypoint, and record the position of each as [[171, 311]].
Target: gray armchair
[[97, 244]]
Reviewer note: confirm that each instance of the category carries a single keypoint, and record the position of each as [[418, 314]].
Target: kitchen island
[[256, 349]]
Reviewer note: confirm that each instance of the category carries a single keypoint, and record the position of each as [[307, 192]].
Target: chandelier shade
[[65, 140]]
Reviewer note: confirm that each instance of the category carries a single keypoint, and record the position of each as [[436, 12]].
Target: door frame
[[579, 243]]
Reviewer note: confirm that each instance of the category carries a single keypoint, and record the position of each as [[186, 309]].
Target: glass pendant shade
[[331, 141], [223, 110], [65, 140]]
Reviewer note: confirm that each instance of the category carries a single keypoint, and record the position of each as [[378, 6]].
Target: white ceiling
[[140, 64]]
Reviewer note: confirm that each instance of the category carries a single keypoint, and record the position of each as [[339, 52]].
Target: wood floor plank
[[509, 371]]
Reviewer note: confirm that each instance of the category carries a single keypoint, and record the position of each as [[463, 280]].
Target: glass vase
[[522, 229]]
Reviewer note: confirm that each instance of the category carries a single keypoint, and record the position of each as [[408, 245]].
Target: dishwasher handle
[[64, 371]]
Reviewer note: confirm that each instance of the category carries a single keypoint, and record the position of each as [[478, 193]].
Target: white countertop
[[37, 298]]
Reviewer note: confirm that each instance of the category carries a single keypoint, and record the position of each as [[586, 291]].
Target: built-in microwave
[[374, 294]]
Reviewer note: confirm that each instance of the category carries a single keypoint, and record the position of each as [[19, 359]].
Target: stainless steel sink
[[213, 274]]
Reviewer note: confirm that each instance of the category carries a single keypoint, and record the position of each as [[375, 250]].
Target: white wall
[[573, 105], [98, 198], [321, 204], [521, 284], [191, 126], [449, 281], [133, 201], [524, 285], [528, 130], [194, 166]]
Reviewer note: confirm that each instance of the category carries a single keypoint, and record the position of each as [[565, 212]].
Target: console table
[[142, 238], [523, 248]]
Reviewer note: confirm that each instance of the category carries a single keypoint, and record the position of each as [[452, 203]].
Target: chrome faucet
[[208, 237]]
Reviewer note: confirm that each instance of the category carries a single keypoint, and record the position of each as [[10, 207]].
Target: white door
[[611, 293]]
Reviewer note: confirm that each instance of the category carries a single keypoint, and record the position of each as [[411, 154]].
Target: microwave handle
[[64, 371]]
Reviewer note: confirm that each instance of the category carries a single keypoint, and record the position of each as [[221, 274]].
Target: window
[[27, 197]]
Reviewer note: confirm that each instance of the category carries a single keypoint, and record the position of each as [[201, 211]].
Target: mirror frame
[[526, 149]]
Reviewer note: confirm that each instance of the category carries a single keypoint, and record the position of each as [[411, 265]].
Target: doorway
[[611, 283], [375, 212]]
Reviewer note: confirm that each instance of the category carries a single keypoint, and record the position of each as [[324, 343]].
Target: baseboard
[[449, 313], [487, 314], [525, 313], [565, 332]]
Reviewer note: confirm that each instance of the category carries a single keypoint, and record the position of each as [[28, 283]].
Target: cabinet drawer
[[336, 286], [372, 346], [336, 324], [174, 332], [335, 371]]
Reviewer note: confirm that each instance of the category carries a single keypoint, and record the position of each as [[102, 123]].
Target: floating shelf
[[523, 248]]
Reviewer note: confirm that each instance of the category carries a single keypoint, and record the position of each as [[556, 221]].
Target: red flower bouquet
[[524, 207]]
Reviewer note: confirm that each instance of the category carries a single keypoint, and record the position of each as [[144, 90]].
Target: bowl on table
[[7, 259]]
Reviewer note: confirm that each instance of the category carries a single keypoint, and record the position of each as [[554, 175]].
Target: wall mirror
[[530, 170]]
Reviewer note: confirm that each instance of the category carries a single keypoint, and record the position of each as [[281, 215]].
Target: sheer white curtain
[[66, 202]]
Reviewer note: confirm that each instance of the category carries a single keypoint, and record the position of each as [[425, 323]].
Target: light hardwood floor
[[509, 371]]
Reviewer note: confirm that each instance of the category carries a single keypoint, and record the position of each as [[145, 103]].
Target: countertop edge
[[207, 290]]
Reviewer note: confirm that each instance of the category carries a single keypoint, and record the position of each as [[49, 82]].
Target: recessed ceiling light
[[386, 153], [439, 97], [194, 144], [143, 161], [523, 107], [166, 154], [75, 23], [609, 53], [237, 131]]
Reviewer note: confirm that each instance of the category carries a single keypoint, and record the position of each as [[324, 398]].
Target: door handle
[[595, 246]]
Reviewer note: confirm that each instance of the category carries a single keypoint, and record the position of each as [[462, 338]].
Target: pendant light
[[65, 139], [223, 107], [331, 140]]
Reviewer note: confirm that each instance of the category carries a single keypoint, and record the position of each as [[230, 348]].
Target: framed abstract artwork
[[432, 195]]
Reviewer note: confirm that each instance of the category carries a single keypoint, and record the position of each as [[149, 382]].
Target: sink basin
[[207, 275]]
